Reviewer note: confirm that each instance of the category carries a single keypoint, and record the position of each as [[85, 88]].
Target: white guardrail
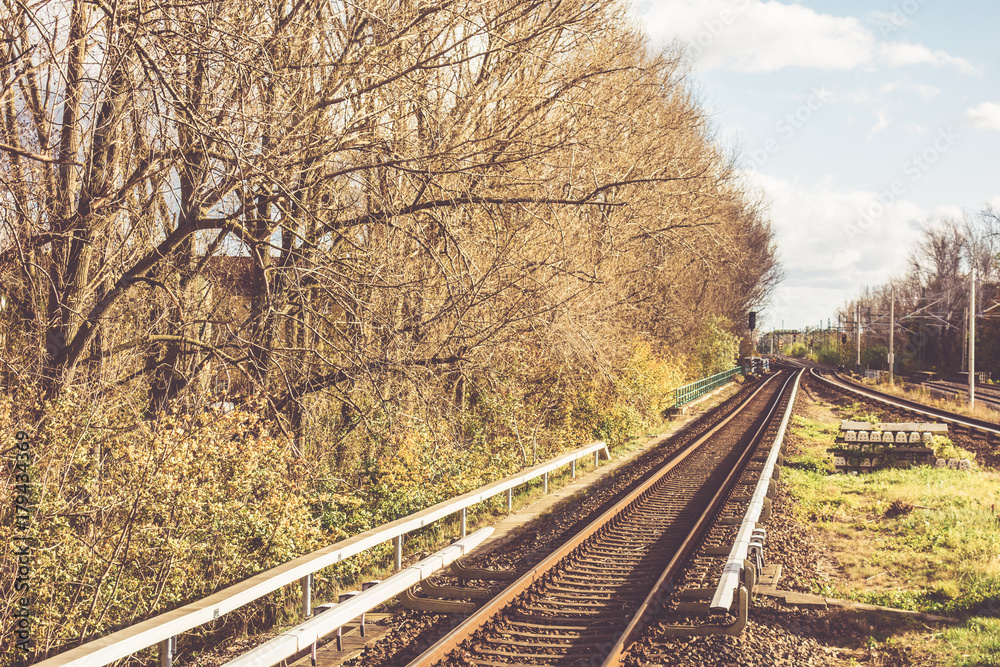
[[730, 579], [162, 629], [308, 634]]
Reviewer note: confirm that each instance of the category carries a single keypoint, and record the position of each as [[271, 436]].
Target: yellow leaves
[[203, 502]]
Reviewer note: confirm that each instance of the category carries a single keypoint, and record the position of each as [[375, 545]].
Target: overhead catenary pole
[[892, 328], [857, 325], [965, 340], [972, 339]]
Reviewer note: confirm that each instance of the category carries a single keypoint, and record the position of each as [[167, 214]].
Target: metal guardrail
[[164, 628], [308, 634], [690, 392], [729, 581]]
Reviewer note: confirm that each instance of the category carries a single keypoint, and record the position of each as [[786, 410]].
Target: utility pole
[[892, 330], [857, 324], [972, 339], [965, 340]]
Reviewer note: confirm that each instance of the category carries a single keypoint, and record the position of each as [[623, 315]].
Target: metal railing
[[164, 628], [729, 581], [690, 392], [309, 633]]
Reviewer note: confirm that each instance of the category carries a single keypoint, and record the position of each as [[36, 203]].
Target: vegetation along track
[[593, 596]]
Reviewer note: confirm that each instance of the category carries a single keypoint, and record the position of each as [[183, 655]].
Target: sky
[[861, 122]]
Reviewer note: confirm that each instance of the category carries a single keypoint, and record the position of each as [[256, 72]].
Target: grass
[[977, 642], [938, 551]]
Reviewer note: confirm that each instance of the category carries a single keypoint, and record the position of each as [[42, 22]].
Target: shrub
[[134, 519]]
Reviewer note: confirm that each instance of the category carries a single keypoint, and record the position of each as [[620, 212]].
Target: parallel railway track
[[985, 428], [588, 601], [988, 395]]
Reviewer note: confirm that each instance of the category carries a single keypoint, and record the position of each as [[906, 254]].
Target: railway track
[[988, 429], [594, 596], [988, 395]]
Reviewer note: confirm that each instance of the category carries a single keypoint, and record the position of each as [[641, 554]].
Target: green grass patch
[[925, 539], [975, 643]]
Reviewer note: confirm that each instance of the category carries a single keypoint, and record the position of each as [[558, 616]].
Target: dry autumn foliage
[[416, 245]]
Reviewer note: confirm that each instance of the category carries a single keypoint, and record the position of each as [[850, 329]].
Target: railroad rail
[[986, 394], [595, 595], [989, 429]]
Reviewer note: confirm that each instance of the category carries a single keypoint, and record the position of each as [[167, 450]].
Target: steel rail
[[990, 429], [467, 629], [654, 600], [984, 394]]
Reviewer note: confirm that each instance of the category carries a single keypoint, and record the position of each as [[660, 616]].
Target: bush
[[139, 518], [717, 348]]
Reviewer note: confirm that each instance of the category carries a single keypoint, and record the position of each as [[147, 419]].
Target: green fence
[[689, 392]]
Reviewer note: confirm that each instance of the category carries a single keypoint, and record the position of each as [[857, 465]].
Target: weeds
[[924, 539]]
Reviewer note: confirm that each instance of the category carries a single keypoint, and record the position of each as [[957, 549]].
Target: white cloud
[[916, 128], [831, 244], [995, 203], [859, 96], [766, 36], [821, 228], [882, 122], [946, 211], [890, 19], [985, 115], [755, 36], [924, 90], [899, 54]]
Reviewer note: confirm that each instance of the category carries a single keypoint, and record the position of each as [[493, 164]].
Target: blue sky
[[860, 121]]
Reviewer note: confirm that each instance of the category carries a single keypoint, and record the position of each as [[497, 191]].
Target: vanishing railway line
[[594, 596], [976, 435]]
